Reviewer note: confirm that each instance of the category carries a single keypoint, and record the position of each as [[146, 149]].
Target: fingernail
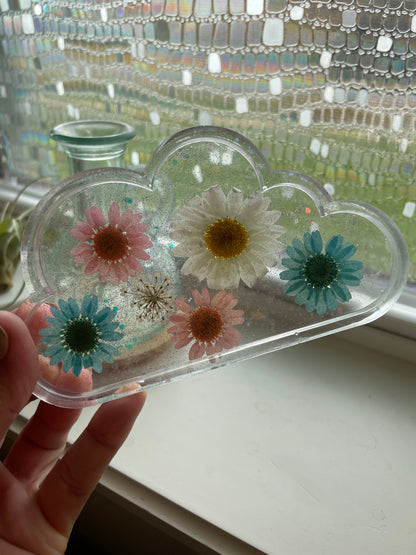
[[4, 343]]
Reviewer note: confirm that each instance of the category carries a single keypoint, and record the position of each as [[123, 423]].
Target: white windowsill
[[305, 450]]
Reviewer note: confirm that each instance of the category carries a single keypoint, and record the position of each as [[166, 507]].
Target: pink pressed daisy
[[113, 248], [209, 325]]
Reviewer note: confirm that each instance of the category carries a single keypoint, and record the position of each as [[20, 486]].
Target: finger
[[19, 370], [65, 490], [40, 443], [35, 319], [65, 381]]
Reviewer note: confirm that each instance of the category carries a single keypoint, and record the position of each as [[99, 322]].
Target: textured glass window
[[327, 88]]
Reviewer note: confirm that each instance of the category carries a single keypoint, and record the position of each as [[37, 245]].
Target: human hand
[[41, 495]]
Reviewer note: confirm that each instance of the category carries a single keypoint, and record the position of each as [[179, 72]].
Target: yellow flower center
[[206, 324], [111, 244], [226, 238]]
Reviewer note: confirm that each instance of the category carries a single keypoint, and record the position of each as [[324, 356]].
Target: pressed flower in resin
[[79, 336], [227, 238], [111, 248], [151, 298], [318, 278], [209, 326]]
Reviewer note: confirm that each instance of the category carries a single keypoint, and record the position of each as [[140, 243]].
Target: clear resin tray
[[206, 258]]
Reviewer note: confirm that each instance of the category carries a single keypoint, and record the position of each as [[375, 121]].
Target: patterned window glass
[[336, 77]]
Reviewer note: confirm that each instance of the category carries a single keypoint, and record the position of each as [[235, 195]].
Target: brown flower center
[[206, 324], [226, 238], [111, 244]]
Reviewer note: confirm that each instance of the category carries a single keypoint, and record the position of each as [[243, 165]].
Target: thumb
[[19, 368]]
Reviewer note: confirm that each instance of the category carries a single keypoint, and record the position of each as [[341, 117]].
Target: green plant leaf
[[4, 225]]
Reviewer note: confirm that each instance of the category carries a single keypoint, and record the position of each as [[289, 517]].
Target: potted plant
[[12, 223]]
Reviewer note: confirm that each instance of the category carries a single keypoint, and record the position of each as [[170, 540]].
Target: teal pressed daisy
[[79, 336], [320, 277]]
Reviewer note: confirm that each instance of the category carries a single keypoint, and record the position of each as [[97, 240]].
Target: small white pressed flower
[[151, 298], [227, 238]]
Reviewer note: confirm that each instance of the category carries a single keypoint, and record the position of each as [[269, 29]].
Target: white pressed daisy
[[227, 238]]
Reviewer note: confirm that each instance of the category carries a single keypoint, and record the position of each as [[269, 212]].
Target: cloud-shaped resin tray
[[206, 258]]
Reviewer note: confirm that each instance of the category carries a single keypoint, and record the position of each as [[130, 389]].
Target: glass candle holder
[[91, 144]]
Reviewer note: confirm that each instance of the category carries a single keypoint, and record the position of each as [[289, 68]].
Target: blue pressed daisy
[[320, 279], [79, 336]]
